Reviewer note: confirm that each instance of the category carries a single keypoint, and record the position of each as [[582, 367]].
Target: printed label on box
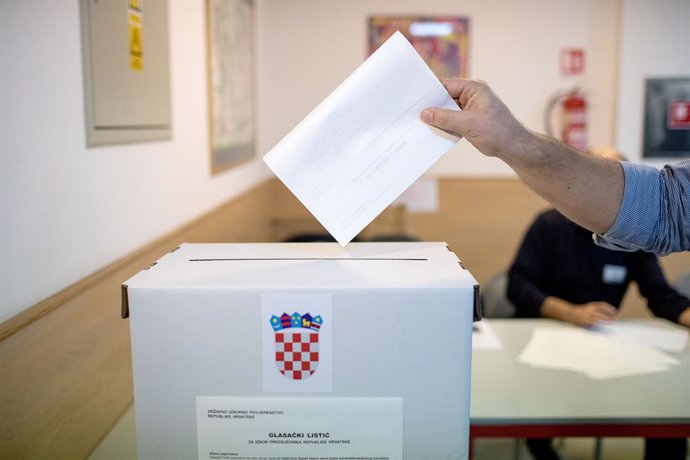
[[299, 428]]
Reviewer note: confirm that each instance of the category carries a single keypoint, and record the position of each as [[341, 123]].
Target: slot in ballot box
[[302, 350]]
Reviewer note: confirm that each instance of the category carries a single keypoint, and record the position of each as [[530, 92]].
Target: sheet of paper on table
[[596, 355], [358, 150], [484, 338], [663, 338]]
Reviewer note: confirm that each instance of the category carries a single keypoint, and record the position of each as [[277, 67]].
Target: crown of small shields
[[296, 344], [296, 320]]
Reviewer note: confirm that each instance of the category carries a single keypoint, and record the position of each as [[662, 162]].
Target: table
[[514, 400]]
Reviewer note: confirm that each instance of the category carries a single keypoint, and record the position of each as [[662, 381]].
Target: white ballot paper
[[663, 338], [358, 150], [236, 428], [484, 338], [596, 355]]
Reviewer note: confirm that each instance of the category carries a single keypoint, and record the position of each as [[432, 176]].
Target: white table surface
[[507, 392]]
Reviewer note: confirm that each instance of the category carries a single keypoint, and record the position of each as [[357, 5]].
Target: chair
[[495, 303], [393, 237], [310, 238], [314, 238]]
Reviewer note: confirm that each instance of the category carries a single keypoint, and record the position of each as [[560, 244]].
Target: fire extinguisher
[[574, 119]]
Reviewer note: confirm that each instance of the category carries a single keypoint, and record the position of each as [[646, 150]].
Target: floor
[[120, 444]]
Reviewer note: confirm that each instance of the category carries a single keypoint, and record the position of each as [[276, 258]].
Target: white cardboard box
[[394, 320]]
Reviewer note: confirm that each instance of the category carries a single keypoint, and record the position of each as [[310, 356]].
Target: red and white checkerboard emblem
[[297, 353], [297, 344]]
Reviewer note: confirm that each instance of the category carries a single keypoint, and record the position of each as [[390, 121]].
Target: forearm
[[585, 188], [556, 308]]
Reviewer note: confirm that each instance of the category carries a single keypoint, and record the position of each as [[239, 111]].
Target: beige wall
[[307, 48], [66, 210]]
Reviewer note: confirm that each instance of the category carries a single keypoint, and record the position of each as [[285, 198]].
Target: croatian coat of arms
[[296, 344]]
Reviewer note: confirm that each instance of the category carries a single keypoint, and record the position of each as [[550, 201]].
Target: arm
[[585, 188], [662, 299], [585, 315], [526, 274], [655, 212]]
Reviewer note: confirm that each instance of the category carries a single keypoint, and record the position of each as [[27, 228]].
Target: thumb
[[446, 119]]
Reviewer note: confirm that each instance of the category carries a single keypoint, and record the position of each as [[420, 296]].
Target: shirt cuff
[[636, 222]]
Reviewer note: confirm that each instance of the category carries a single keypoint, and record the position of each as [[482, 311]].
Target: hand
[[589, 314], [684, 318], [484, 120]]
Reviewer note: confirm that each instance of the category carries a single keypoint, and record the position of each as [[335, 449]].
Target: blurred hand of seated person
[[684, 318], [585, 315]]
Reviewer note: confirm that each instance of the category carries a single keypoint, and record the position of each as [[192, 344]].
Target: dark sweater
[[559, 258]]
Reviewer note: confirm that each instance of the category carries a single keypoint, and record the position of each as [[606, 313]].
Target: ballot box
[[302, 351]]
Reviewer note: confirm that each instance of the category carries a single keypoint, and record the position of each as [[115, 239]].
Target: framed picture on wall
[[667, 118], [230, 25], [443, 41]]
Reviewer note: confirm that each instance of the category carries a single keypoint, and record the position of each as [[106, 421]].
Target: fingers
[[456, 86], [598, 317], [592, 313], [589, 322], [447, 120], [596, 312], [605, 310], [463, 91], [589, 319]]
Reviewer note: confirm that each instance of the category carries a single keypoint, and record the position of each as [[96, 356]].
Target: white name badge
[[259, 428], [614, 274]]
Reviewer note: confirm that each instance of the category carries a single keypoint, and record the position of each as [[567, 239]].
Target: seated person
[[560, 273]]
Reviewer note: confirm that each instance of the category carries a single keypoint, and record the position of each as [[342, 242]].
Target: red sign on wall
[[572, 61], [679, 114]]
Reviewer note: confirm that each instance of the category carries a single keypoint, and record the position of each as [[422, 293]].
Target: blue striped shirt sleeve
[[655, 212]]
